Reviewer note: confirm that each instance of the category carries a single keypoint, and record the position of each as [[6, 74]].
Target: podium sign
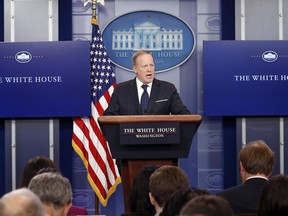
[[113, 126], [149, 133], [45, 79]]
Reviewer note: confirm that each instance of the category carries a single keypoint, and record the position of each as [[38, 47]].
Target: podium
[[141, 140]]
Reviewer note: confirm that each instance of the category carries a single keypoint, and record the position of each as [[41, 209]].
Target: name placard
[[45, 79], [149, 133]]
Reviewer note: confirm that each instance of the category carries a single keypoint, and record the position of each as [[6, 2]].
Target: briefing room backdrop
[[212, 162]]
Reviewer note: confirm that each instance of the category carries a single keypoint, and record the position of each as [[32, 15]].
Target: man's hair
[[139, 53], [52, 189], [165, 181], [21, 202], [257, 157], [207, 205]]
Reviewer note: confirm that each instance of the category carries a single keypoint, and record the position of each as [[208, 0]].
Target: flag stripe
[[87, 139]]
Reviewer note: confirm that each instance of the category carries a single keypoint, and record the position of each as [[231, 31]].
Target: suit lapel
[[153, 95]]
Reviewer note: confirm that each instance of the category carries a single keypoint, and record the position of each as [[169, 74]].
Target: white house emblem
[[170, 39], [23, 57], [269, 56]]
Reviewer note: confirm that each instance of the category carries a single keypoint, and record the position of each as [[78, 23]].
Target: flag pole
[[94, 19], [94, 7]]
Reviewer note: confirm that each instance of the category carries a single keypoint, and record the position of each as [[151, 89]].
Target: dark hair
[[178, 199], [33, 166], [207, 205], [139, 201], [274, 198]]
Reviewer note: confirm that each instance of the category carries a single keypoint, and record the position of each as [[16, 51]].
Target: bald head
[[21, 202]]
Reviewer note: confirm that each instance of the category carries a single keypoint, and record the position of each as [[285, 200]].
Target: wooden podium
[[141, 140]]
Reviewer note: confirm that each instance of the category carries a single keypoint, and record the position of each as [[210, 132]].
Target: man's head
[[207, 205], [21, 202], [143, 66], [164, 182], [54, 191], [256, 158]]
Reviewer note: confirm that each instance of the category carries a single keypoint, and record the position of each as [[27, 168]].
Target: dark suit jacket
[[164, 99], [245, 198]]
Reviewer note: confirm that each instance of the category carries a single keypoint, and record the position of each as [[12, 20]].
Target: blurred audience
[[32, 168], [179, 198], [40, 164], [207, 205], [163, 182], [256, 164], [21, 202], [139, 201], [54, 191], [274, 198]]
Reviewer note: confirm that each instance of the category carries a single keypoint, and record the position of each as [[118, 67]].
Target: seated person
[[54, 191], [207, 205], [274, 197], [179, 198], [139, 201], [163, 182], [256, 162], [32, 168], [21, 202]]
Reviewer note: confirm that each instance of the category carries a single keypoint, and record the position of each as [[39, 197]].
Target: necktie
[[144, 99]]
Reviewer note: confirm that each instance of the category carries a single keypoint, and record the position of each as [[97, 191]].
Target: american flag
[[88, 140]]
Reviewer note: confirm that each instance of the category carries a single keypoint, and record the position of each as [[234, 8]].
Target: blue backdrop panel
[[245, 78], [45, 79]]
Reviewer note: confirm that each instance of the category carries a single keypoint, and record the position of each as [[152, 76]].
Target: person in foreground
[[256, 165], [163, 182], [21, 202], [179, 198], [162, 97], [41, 163], [139, 201], [207, 205], [274, 198], [54, 191]]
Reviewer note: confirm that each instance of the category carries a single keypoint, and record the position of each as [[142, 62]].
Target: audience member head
[[274, 198], [256, 158], [179, 198], [139, 201], [54, 191], [21, 202], [207, 205], [163, 182], [32, 168]]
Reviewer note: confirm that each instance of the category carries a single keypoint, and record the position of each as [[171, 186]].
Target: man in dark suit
[[163, 96], [256, 165]]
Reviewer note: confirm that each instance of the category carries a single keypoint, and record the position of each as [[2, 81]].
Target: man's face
[[144, 68]]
